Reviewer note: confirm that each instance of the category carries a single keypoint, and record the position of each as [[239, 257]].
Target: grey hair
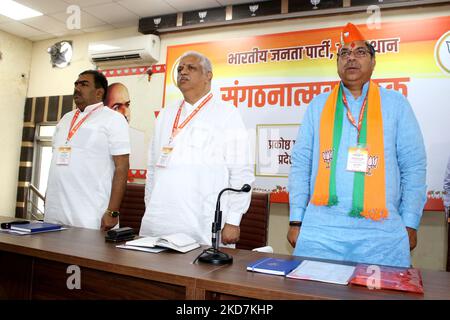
[[204, 61]]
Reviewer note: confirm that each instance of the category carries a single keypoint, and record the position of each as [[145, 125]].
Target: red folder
[[393, 278]]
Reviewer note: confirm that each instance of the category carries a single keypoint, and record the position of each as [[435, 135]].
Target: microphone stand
[[213, 255]]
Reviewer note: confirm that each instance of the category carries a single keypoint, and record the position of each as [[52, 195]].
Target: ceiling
[[97, 15]]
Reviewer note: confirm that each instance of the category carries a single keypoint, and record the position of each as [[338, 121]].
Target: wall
[[57, 82], [16, 60], [48, 81], [431, 250]]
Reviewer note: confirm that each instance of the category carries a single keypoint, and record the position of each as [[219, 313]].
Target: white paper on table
[[323, 271]]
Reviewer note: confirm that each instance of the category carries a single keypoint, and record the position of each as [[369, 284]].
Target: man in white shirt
[[89, 167], [200, 146]]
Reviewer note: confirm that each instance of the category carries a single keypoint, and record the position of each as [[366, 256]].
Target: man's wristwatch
[[295, 223], [112, 213]]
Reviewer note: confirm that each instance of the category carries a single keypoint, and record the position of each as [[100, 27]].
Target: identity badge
[[164, 158], [357, 158], [63, 155]]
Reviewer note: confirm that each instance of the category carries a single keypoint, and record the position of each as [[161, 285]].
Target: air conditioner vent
[[115, 58]]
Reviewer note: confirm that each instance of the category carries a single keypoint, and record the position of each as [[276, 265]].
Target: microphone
[[213, 255]]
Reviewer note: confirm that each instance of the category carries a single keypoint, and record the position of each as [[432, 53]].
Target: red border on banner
[[136, 174], [132, 71], [279, 197], [126, 71], [434, 205], [158, 68]]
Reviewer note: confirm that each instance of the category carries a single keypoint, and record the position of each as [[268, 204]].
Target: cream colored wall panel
[[16, 60]]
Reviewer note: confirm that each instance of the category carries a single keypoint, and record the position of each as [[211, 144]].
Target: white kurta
[[78, 193], [211, 153]]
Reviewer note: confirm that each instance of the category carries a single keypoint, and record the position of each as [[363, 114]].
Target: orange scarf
[[369, 192]]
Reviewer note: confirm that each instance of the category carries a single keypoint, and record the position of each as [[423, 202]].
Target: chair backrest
[[132, 208], [254, 224]]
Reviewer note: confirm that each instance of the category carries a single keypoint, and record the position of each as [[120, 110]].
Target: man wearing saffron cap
[[357, 182]]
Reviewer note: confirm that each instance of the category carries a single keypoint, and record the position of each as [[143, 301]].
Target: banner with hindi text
[[272, 78]]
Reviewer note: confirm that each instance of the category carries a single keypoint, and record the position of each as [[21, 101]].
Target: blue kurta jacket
[[329, 232]]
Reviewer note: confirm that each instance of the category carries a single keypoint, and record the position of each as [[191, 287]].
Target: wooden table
[[35, 267]]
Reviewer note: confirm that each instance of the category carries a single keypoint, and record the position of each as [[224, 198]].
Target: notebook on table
[[178, 241], [274, 266], [36, 226]]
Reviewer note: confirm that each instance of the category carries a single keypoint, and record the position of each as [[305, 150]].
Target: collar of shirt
[[91, 107], [351, 100], [188, 108]]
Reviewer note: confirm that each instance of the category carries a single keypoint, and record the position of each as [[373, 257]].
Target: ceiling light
[[16, 10]]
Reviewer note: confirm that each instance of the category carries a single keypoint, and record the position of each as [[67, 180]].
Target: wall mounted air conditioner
[[132, 51]]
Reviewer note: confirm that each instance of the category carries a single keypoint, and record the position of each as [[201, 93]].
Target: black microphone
[[216, 226], [213, 255]]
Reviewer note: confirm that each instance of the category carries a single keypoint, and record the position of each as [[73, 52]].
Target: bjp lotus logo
[[372, 163], [327, 157]]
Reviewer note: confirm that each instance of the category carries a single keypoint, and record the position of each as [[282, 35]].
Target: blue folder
[[34, 227], [273, 266]]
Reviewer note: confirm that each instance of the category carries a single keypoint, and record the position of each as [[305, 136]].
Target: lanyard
[[75, 128], [350, 116], [177, 128]]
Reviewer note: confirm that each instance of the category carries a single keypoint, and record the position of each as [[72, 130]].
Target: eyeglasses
[[357, 53]]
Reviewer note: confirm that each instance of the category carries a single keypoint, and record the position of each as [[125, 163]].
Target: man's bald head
[[118, 99]]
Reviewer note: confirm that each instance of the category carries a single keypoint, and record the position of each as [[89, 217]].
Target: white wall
[[48, 81], [45, 80], [16, 60]]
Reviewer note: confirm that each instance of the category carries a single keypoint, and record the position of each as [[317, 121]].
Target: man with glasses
[[357, 182]]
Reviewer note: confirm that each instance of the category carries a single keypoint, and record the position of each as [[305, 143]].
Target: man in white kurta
[[210, 151], [86, 185]]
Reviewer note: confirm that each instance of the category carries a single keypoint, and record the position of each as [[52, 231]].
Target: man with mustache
[[89, 167], [200, 146], [357, 182]]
